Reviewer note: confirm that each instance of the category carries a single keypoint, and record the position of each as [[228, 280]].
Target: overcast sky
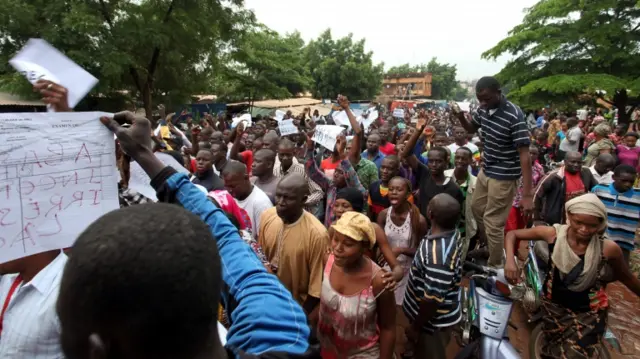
[[401, 31]]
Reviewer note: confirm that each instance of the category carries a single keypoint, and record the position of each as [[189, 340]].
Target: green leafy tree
[[151, 49], [566, 49], [443, 76], [264, 65], [342, 66]]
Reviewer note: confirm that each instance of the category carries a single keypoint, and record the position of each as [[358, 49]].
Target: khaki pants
[[492, 200], [433, 346]]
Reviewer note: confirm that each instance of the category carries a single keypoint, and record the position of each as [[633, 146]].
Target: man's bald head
[[573, 162], [444, 211], [266, 154], [605, 163], [295, 182], [271, 140], [286, 144]]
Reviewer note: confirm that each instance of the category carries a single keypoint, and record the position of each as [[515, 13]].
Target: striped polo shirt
[[435, 275], [504, 130], [623, 214]]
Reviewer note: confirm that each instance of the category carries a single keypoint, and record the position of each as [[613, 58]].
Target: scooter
[[486, 307]]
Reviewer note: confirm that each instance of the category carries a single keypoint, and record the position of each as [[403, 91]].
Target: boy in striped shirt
[[623, 207], [432, 299]]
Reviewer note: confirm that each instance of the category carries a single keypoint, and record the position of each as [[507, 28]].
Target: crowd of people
[[296, 251]]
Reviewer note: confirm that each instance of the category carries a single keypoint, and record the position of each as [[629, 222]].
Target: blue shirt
[[377, 159], [623, 214], [540, 122], [264, 317]]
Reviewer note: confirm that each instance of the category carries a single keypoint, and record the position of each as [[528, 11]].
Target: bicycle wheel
[[536, 342]]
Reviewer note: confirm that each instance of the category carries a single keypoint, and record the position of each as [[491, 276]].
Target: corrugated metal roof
[[10, 99], [290, 102]]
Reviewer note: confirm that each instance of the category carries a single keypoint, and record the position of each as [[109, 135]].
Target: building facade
[[417, 84]]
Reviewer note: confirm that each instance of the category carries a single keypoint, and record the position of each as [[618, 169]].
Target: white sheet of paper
[[464, 106], [287, 127], [398, 112], [341, 118], [246, 118], [39, 60], [57, 175], [372, 116], [327, 135], [280, 115], [140, 182]]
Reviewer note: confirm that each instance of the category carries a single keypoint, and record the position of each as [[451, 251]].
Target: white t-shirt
[[255, 204], [574, 134], [454, 147]]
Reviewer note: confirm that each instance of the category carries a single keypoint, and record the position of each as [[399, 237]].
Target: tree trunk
[[146, 100]]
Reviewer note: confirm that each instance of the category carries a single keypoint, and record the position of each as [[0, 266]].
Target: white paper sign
[[287, 127], [140, 182], [398, 112], [39, 60], [341, 118], [371, 116], [327, 135], [464, 106], [582, 114], [246, 118], [57, 175], [280, 115]]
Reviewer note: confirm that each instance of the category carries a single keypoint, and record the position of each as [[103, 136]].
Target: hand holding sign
[[327, 135], [53, 95]]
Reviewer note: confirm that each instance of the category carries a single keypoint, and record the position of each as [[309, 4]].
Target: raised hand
[[53, 94]]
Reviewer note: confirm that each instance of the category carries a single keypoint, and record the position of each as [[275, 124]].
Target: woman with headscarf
[[581, 261], [601, 144], [356, 316], [350, 199]]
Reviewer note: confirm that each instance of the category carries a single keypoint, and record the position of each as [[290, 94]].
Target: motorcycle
[[486, 307]]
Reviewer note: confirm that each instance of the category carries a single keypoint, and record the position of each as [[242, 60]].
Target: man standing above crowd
[[504, 160]]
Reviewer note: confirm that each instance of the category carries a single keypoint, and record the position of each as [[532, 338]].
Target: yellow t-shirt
[[300, 261]]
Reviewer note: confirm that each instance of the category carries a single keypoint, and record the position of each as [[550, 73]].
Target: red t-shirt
[[247, 159], [328, 166], [388, 149], [574, 185]]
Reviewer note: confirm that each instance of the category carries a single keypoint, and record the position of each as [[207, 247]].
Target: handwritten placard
[[57, 175], [327, 135], [287, 127], [398, 112], [39, 60]]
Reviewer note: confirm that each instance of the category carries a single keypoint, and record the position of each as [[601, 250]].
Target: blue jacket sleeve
[[265, 318], [417, 151]]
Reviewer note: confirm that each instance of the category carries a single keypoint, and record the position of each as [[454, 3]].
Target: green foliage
[[567, 48], [342, 66], [154, 49], [264, 65], [443, 76]]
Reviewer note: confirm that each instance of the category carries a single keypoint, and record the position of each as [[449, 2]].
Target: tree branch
[[151, 69], [132, 70]]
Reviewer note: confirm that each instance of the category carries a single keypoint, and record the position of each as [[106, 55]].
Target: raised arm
[[312, 169]]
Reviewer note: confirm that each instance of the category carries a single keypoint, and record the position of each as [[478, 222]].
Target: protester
[[559, 187], [249, 197], [294, 242], [575, 303], [602, 144], [571, 141], [461, 141], [29, 326], [219, 152], [263, 177], [372, 153], [367, 170], [432, 300], [356, 316], [622, 202], [379, 190], [431, 177], [627, 152], [386, 147], [286, 150], [602, 170], [403, 226], [467, 226], [505, 159], [205, 175]]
